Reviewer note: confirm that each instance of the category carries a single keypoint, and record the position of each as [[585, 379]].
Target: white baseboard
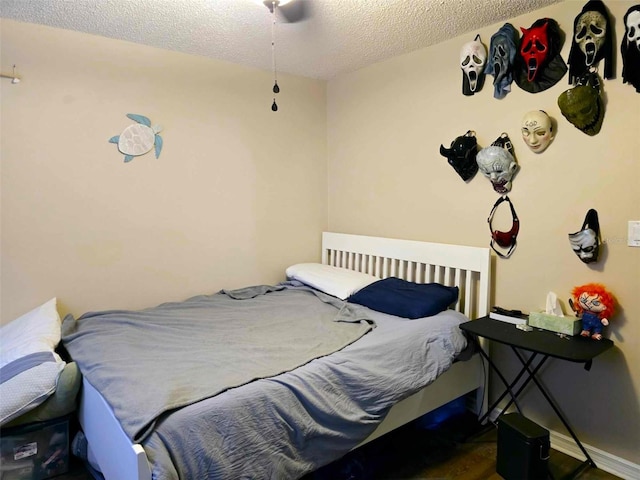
[[604, 460]]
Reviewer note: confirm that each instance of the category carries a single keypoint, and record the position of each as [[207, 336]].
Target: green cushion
[[61, 402]]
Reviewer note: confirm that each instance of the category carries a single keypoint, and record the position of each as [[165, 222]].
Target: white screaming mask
[[633, 28], [473, 57], [590, 34], [537, 130]]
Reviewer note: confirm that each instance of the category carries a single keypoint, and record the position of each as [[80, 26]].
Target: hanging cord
[[276, 88]]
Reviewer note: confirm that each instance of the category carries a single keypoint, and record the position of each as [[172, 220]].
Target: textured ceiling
[[338, 36]]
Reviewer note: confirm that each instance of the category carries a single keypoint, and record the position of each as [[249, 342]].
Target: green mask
[[582, 104]]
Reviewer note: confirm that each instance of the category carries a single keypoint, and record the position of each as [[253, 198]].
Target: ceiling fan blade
[[295, 11]]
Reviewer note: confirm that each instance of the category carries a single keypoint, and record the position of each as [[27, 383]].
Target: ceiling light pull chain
[[276, 88]]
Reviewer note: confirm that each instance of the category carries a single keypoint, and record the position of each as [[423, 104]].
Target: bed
[[129, 447]]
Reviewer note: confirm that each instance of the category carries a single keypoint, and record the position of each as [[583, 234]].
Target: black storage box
[[35, 451], [523, 449]]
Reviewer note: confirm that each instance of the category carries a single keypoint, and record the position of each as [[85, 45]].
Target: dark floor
[[458, 449]]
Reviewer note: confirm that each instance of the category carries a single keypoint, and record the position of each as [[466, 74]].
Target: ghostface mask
[[504, 239], [502, 55], [462, 155], [582, 105], [497, 163], [535, 49], [592, 41], [473, 57], [539, 64], [586, 242], [630, 48]]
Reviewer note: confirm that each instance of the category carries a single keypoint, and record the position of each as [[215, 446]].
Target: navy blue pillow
[[405, 299]]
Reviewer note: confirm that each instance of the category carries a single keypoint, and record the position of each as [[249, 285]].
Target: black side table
[[541, 345]]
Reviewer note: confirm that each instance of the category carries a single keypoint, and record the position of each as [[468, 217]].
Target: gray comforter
[[151, 361], [284, 425]]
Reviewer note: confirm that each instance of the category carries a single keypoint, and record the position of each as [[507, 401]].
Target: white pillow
[[29, 366], [35, 331], [336, 281]]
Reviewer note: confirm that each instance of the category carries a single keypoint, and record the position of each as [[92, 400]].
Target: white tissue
[[553, 306]]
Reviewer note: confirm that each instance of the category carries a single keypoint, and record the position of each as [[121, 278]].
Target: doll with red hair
[[593, 303]]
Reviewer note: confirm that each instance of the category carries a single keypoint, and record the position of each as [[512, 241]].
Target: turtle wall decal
[[138, 138]]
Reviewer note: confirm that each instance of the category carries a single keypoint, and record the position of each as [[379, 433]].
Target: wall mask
[[630, 48], [502, 55], [462, 155], [473, 57], [586, 241], [498, 164], [539, 64], [582, 105], [592, 41], [537, 130], [506, 240]]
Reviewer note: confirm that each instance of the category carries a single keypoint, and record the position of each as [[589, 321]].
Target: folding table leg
[[525, 368], [509, 387]]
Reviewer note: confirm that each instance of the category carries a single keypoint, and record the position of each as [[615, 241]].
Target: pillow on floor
[[402, 298], [29, 366]]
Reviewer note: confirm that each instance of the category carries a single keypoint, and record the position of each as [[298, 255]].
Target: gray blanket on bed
[[285, 426], [118, 350]]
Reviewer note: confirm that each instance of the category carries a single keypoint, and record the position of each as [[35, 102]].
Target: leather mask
[[462, 155], [504, 239]]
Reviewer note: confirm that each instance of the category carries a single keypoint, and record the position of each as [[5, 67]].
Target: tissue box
[[566, 325]]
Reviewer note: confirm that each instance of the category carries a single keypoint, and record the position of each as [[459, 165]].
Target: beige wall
[[238, 193], [386, 177], [236, 183]]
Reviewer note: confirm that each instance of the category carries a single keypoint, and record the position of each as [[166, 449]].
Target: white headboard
[[468, 268]]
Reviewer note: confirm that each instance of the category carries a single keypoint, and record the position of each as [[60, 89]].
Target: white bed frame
[[468, 268]]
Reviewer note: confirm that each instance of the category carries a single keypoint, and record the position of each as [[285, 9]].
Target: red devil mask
[[534, 48]]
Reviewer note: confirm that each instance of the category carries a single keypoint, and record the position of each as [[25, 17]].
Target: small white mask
[[473, 57], [537, 131]]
